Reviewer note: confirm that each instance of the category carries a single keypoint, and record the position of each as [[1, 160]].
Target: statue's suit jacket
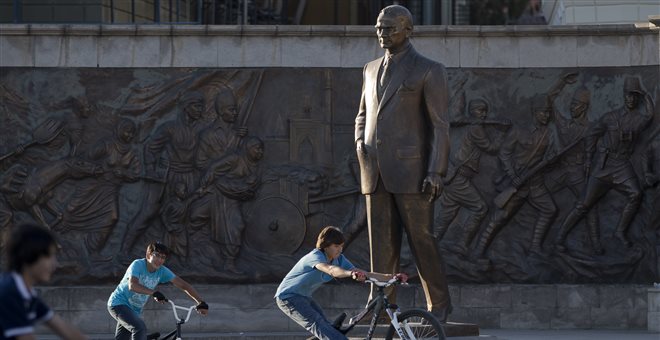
[[406, 131]]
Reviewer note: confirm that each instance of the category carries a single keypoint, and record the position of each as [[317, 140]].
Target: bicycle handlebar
[[176, 314], [392, 281]]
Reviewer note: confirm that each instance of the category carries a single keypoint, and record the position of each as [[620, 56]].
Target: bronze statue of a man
[[402, 142]]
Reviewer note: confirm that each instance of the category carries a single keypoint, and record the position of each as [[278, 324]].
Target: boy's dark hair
[[27, 243], [158, 247], [328, 236]]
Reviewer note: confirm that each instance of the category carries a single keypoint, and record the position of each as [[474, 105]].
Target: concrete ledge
[[234, 308]]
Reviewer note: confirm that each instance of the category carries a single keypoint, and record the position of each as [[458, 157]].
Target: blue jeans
[[307, 313], [129, 324]]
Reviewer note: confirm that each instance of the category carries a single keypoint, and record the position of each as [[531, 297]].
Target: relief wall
[[553, 177]]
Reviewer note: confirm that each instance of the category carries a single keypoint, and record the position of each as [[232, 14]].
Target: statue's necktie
[[387, 71]]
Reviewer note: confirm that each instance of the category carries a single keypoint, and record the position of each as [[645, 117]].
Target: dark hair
[[158, 247], [27, 244], [328, 236]]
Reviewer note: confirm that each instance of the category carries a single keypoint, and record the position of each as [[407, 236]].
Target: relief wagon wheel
[[275, 225]]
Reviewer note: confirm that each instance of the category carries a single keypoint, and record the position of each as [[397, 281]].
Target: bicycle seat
[[153, 336]]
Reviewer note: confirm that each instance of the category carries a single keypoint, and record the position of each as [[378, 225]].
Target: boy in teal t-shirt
[[139, 282]]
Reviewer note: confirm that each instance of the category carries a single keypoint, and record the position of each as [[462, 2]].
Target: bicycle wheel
[[420, 323]]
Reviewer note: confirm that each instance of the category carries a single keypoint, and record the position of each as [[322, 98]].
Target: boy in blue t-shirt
[[30, 260], [294, 295], [139, 282]]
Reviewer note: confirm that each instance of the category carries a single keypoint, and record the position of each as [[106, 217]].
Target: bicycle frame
[[377, 305]]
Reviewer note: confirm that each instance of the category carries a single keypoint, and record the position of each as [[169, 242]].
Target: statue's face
[[127, 133], [578, 108], [392, 35], [228, 113], [479, 112], [631, 99], [542, 116], [194, 109], [256, 151]]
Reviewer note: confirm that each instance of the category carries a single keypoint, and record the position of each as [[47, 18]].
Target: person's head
[[478, 108], [540, 110], [181, 190], [31, 252], [126, 130], [157, 253], [330, 241], [254, 147], [580, 102], [393, 27], [192, 104], [225, 105], [632, 91]]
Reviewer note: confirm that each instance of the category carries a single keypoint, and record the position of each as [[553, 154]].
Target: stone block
[[653, 299], [637, 318], [644, 50], [609, 318], [484, 317], [469, 51], [48, 51], [357, 51], [257, 51], [584, 14], [525, 297], [310, 51], [551, 51], [445, 50], [116, 51], [16, 51], [81, 51], [576, 296], [246, 319], [571, 318], [194, 51], [537, 318], [486, 296], [91, 321], [499, 52], [610, 50], [148, 51], [616, 297], [653, 322], [89, 298], [55, 297], [617, 13]]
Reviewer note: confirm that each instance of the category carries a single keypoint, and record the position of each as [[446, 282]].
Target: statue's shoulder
[[426, 62]]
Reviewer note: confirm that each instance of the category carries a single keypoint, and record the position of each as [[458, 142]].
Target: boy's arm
[[63, 329], [334, 271], [188, 289]]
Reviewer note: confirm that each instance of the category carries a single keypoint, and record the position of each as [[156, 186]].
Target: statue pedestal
[[460, 329], [653, 309]]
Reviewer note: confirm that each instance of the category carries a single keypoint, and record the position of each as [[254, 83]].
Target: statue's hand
[[570, 78], [241, 131], [433, 183], [361, 147]]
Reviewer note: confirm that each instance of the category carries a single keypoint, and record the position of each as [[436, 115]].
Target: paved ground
[[487, 334]]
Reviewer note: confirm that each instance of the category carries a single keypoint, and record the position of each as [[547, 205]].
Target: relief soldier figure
[[651, 168], [522, 152], [402, 142], [573, 167], [228, 181], [612, 139], [94, 206], [459, 190], [169, 159]]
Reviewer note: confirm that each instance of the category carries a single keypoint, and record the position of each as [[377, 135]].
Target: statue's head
[[540, 109], [580, 102], [632, 91], [225, 104], [192, 104], [478, 108], [393, 27], [254, 148], [126, 130]]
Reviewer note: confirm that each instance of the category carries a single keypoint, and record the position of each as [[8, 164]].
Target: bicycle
[[176, 333], [412, 324]]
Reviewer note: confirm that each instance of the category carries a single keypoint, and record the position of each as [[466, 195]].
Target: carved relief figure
[[522, 152], [402, 142], [612, 139], [229, 181], [174, 214], [573, 167], [221, 137], [651, 169], [169, 159], [94, 208], [459, 190]]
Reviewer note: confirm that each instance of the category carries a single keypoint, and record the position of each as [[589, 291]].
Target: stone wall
[[251, 308]]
